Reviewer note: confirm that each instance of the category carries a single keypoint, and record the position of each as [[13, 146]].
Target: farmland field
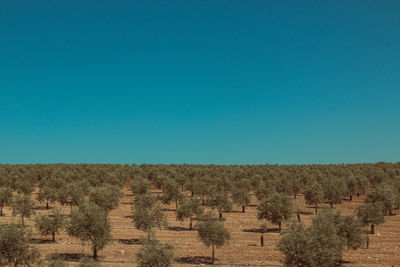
[[244, 246]]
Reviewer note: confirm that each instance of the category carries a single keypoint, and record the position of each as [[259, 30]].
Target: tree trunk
[[298, 218], [331, 204], [176, 204], [54, 237], [262, 240], [213, 254], [367, 241], [1, 210], [95, 253], [190, 225], [243, 209], [372, 229], [192, 193], [22, 220], [220, 215], [295, 195], [316, 209], [280, 227], [47, 204], [182, 188], [351, 198]]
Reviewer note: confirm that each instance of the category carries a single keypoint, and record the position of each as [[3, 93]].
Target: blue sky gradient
[[224, 82]]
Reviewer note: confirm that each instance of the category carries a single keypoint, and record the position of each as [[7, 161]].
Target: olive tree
[[171, 192], [313, 194], [5, 198], [383, 193], [14, 247], [140, 186], [322, 243], [371, 213], [333, 190], [155, 254], [89, 222], [221, 202], [146, 219], [276, 208], [241, 193], [147, 215], [188, 209], [47, 191], [212, 233], [50, 225], [106, 197], [22, 205]]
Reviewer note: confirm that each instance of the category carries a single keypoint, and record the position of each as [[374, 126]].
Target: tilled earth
[[243, 249]]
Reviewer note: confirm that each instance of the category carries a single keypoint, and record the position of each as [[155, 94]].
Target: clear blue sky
[[220, 82]]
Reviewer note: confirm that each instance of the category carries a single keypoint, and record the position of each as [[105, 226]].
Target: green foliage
[[90, 223], [14, 247], [5, 198], [212, 232], [146, 219], [276, 208], [321, 244], [371, 213], [334, 190], [22, 205], [351, 185], [384, 193], [313, 194], [140, 186], [146, 200], [221, 202], [25, 186], [264, 189], [50, 225], [296, 245], [188, 209], [349, 228], [171, 192], [71, 194], [107, 196], [240, 192], [155, 254]]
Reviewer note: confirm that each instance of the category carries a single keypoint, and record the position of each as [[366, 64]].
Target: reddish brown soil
[[244, 247]]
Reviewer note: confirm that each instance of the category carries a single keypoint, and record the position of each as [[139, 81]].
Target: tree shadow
[[41, 241], [68, 256], [165, 209], [236, 211], [178, 228], [252, 205], [41, 208], [127, 203], [256, 230], [305, 213], [194, 260], [128, 217], [132, 241]]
